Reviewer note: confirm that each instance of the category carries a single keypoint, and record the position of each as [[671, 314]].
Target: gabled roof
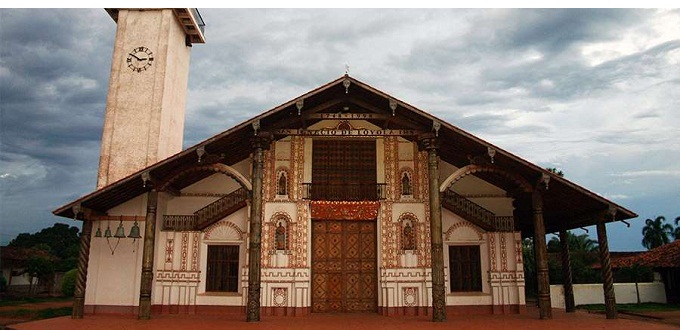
[[566, 205], [665, 256]]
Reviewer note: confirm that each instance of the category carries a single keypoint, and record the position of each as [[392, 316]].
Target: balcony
[[344, 192]]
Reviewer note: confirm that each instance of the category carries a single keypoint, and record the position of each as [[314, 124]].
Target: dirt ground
[[580, 320]]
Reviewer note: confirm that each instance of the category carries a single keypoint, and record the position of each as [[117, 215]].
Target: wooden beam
[[118, 218]]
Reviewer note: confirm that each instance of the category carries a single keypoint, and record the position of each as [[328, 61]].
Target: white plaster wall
[[624, 293], [114, 279]]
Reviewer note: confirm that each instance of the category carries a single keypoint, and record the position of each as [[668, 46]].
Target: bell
[[98, 233], [120, 231], [134, 231], [107, 232]]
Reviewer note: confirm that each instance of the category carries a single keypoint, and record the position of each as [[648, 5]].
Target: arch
[[223, 230], [459, 225], [280, 223], [474, 168], [409, 229], [217, 168]]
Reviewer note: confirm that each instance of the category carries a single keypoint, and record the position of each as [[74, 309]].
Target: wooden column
[[260, 143], [607, 278], [566, 271], [541, 256], [148, 256], [81, 279], [429, 143]]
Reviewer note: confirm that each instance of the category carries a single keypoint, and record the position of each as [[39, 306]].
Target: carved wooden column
[[566, 271], [607, 278], [148, 256], [541, 256], [81, 279], [260, 143], [429, 143]]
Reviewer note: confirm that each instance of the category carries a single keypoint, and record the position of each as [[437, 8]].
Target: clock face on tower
[[139, 59]]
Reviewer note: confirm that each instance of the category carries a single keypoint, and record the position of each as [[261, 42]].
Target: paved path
[[577, 321]]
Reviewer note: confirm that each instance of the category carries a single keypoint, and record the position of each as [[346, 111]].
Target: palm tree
[[655, 232]]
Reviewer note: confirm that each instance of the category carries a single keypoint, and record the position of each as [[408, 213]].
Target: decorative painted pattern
[[169, 249], [345, 210], [504, 254], [518, 251], [492, 250], [221, 228], [194, 251], [410, 296], [297, 154], [184, 249], [387, 236], [279, 297], [462, 224], [177, 276], [300, 244]]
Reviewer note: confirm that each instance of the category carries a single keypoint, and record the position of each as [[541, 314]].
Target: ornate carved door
[[344, 275]]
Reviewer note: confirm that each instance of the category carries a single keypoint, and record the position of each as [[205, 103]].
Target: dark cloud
[[517, 78]]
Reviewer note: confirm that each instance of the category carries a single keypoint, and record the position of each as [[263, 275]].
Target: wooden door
[[344, 274]]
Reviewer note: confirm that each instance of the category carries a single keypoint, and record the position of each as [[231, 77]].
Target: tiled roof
[[665, 256]]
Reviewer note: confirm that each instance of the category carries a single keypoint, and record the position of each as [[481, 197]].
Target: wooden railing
[[207, 215], [480, 216], [344, 192]]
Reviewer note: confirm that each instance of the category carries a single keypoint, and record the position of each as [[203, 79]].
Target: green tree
[[556, 171], [676, 231], [41, 268], [60, 240], [583, 252], [655, 232]]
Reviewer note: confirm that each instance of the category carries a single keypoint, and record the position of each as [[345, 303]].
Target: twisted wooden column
[[541, 256], [607, 278], [148, 256], [566, 271], [81, 279], [260, 143], [429, 143]]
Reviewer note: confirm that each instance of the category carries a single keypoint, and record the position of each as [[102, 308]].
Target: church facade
[[344, 199]]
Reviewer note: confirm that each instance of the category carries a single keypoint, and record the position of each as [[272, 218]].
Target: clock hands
[[133, 55]]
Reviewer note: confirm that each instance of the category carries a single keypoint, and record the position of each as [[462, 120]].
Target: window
[[465, 268], [222, 272]]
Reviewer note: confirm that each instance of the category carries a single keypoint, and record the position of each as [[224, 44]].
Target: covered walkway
[[561, 320]]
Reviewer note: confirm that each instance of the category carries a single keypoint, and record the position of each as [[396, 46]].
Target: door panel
[[344, 274]]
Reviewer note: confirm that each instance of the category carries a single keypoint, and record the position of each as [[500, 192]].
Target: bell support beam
[[429, 143], [607, 278], [260, 143], [148, 256], [541, 256], [566, 271]]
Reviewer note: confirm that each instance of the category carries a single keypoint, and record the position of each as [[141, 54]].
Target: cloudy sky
[[592, 92]]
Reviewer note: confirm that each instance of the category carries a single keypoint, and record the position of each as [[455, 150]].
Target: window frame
[[459, 282], [228, 280]]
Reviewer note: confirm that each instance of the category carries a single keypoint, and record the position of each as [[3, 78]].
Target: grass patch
[[644, 307], [13, 301], [36, 314]]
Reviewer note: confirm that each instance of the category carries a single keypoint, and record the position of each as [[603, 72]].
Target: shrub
[[68, 283], [3, 283]]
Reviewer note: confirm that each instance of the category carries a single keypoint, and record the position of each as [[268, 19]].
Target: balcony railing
[[477, 214], [207, 215], [344, 192]]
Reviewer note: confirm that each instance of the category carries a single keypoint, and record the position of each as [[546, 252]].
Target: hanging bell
[[107, 232], [134, 231], [98, 233], [120, 231]]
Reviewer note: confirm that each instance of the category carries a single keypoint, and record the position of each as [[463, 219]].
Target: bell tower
[[145, 106]]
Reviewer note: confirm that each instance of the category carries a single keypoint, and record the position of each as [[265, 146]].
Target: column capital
[[262, 140], [428, 141]]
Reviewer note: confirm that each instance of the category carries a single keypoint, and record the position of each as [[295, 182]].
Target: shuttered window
[[465, 267], [222, 272]]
